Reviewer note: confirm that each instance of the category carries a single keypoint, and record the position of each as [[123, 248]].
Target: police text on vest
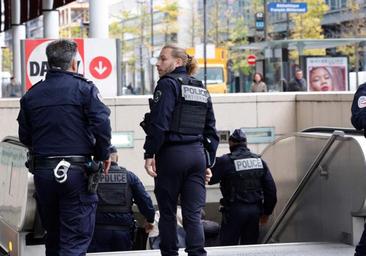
[[248, 164]]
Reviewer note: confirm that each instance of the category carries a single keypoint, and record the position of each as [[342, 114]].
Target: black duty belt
[[51, 162]]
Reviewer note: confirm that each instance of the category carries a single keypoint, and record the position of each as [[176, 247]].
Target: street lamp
[[152, 43], [142, 71], [205, 42]]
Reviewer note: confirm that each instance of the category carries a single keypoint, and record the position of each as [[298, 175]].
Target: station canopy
[[29, 9], [302, 44]]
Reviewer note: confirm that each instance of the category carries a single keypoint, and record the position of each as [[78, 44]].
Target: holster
[[209, 153], [94, 171], [145, 124], [30, 162]]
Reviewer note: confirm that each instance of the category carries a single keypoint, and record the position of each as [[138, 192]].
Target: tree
[[7, 60], [238, 37], [130, 26], [353, 28], [307, 25], [169, 24], [73, 31]]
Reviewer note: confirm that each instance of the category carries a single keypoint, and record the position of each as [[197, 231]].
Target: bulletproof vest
[[243, 185], [189, 116], [114, 192]]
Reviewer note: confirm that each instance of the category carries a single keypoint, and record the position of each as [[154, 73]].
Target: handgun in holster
[[30, 162], [209, 153], [94, 170], [145, 124]]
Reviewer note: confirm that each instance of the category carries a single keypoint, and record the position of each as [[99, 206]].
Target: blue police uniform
[[358, 120], [63, 118], [248, 191], [115, 224], [182, 119]]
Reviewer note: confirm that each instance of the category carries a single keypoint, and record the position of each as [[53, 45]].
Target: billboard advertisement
[[327, 73], [99, 64]]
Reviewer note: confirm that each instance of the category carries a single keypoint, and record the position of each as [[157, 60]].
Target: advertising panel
[[96, 63], [327, 73]]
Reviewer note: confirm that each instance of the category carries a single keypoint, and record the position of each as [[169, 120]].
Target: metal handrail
[[302, 184]]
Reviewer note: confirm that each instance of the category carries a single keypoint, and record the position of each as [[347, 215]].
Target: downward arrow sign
[[100, 68]]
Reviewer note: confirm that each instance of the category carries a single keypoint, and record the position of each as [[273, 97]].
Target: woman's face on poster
[[320, 80]]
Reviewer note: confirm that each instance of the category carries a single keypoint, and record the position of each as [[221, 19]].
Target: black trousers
[[361, 246], [181, 172], [240, 224]]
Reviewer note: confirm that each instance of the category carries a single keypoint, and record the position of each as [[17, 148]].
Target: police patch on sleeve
[[157, 96], [248, 164], [193, 93], [361, 102]]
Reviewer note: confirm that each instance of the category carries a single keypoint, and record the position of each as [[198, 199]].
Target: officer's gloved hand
[[208, 175]]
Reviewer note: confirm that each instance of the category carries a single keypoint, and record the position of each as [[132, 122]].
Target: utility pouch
[[30, 162], [94, 171], [145, 124]]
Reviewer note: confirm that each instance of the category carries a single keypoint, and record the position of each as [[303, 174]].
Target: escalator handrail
[[13, 140], [303, 183], [326, 129]]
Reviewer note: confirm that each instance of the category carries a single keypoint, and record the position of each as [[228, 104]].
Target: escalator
[[321, 181]]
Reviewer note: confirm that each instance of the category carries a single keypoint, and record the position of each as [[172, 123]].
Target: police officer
[[63, 123], [358, 120], [248, 190], [115, 223], [181, 121]]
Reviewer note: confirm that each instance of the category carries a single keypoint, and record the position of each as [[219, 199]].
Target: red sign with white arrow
[[100, 67], [99, 64]]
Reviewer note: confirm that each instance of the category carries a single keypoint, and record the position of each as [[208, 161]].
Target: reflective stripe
[[194, 93]]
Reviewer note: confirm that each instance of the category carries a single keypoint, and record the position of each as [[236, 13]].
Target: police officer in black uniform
[[63, 123], [248, 190], [358, 120], [181, 121], [115, 224]]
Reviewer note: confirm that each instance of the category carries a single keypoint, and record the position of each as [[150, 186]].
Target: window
[[215, 75]]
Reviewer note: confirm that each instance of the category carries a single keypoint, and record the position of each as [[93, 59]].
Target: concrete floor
[[293, 249]]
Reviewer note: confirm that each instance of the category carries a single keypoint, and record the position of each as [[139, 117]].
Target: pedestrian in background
[[298, 83], [258, 84], [12, 89]]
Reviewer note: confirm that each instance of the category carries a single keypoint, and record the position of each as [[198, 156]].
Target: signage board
[[288, 7], [96, 63], [251, 59]]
